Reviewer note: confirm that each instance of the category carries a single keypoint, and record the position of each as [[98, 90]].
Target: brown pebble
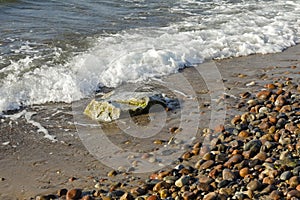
[[280, 101], [210, 196], [245, 95], [163, 174], [196, 151], [244, 171], [153, 197], [276, 195], [243, 134], [294, 181], [293, 193], [219, 128], [227, 174], [161, 185], [72, 179], [73, 194], [268, 180], [270, 86], [236, 120], [234, 159], [206, 164], [174, 130], [254, 185], [263, 95], [261, 156], [186, 155]]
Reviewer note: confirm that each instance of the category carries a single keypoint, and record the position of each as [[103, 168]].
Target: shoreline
[[32, 165]]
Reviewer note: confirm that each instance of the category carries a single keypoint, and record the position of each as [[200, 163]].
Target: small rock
[[210, 196], [227, 174], [62, 192], [112, 173], [294, 181], [244, 172], [293, 193], [182, 181], [73, 194], [263, 95], [285, 175], [219, 128], [276, 195], [206, 165], [254, 185]]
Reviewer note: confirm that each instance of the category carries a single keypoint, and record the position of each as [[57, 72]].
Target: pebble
[[227, 174], [293, 193], [206, 165], [62, 192], [210, 196], [244, 172], [254, 185], [285, 175], [182, 181], [294, 181], [73, 194], [276, 195]]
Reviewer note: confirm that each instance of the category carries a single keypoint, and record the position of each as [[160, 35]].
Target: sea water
[[62, 51]]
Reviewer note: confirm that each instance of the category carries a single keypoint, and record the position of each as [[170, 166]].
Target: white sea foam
[[224, 30]]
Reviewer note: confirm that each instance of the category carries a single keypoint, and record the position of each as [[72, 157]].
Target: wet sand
[[31, 164]]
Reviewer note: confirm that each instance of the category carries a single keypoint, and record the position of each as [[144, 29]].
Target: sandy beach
[[32, 165]]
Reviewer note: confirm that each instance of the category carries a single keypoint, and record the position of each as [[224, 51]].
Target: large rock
[[111, 108]]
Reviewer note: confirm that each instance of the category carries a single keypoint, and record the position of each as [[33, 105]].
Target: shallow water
[[60, 51]]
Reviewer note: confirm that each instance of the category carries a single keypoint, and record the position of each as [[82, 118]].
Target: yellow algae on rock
[[102, 111]]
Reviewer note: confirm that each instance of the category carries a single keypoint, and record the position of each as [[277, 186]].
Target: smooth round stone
[[254, 185], [294, 181], [285, 175], [227, 174], [293, 193], [182, 181], [244, 172], [276, 195], [206, 164], [73, 194], [268, 180]]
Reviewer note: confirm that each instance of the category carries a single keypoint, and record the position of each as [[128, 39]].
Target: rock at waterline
[[110, 109]]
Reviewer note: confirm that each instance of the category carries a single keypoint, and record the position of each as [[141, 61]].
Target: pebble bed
[[255, 157]]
